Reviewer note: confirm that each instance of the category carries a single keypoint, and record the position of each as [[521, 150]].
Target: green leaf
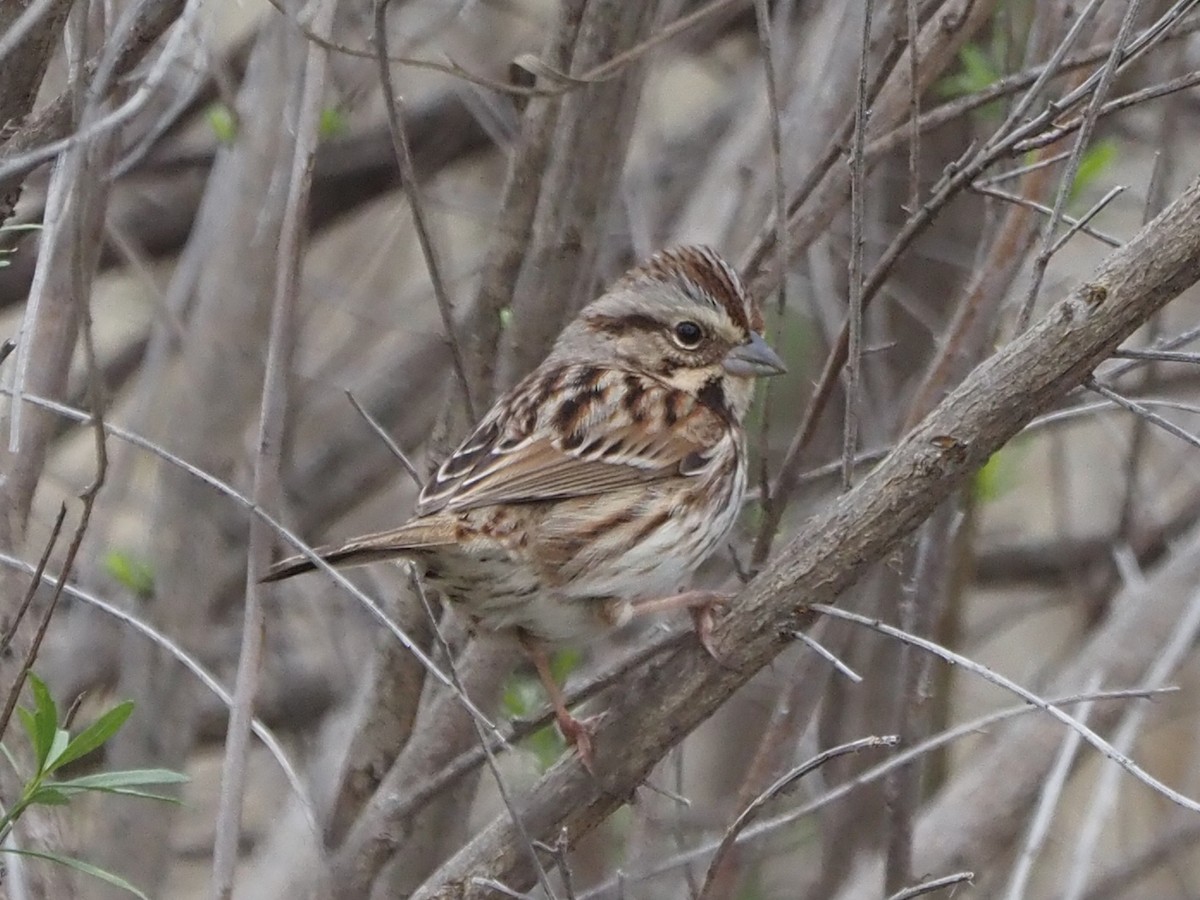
[[978, 73], [107, 781], [999, 474], [520, 696], [80, 866], [564, 662], [1098, 160], [547, 746], [44, 720], [125, 792], [131, 573], [332, 123], [57, 746], [96, 734], [48, 795], [223, 122]]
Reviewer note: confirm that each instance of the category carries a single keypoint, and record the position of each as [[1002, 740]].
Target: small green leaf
[[520, 697], [107, 781], [546, 745], [1098, 159], [999, 474], [48, 795], [564, 662], [978, 73], [223, 122], [96, 734], [332, 123], [506, 316], [80, 866], [44, 719], [131, 573], [58, 746], [127, 792]]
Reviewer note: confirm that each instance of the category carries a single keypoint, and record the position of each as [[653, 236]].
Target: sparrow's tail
[[395, 544]]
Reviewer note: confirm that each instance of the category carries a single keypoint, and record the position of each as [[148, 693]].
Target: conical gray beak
[[755, 357]]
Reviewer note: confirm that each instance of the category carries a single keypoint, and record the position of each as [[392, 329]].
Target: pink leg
[[700, 604], [577, 733]]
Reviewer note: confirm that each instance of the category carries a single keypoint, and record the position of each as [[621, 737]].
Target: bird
[[593, 489]]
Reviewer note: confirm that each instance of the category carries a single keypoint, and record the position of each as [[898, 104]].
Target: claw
[[703, 620], [701, 605], [578, 733]]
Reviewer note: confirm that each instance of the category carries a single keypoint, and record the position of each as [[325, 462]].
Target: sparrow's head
[[685, 318]]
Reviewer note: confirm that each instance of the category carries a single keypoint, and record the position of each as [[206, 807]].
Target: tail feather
[[384, 545]]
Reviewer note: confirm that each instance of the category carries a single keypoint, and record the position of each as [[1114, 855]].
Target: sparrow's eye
[[688, 335]]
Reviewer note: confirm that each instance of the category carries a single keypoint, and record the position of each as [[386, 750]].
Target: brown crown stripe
[[705, 276]]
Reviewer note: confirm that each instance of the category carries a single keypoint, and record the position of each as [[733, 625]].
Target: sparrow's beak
[[755, 357]]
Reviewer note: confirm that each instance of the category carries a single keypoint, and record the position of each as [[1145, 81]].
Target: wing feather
[[575, 431]]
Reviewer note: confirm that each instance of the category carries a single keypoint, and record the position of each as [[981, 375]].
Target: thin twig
[[933, 884], [1053, 67], [762, 18], [416, 203], [36, 580], [14, 691], [562, 82], [828, 655], [30, 17], [912, 32], [1177, 356], [970, 665], [1067, 182], [857, 226], [392, 446], [1082, 222], [986, 189], [268, 460], [1048, 801], [1104, 793], [1140, 409], [1018, 171], [1139, 433], [1153, 92], [780, 786]]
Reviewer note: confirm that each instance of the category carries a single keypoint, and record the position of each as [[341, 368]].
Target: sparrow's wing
[[576, 431]]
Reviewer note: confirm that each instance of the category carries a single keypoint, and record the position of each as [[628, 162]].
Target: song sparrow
[[602, 479]]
